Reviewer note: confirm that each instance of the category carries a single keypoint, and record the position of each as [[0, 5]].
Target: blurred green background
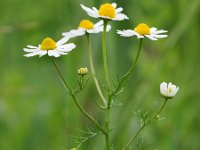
[[37, 114]]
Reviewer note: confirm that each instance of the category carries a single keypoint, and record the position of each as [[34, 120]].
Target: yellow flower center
[[107, 10], [48, 44], [86, 24], [142, 29]]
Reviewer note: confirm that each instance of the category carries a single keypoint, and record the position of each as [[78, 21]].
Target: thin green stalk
[[127, 75], [105, 64], [93, 71], [74, 98], [108, 123], [154, 117], [88, 115]]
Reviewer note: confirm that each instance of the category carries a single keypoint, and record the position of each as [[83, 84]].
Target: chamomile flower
[[106, 11], [168, 90], [50, 47], [86, 26], [143, 30]]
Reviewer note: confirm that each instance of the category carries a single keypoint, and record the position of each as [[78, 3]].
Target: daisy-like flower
[[106, 11], [50, 47], [86, 26], [168, 90], [143, 30]]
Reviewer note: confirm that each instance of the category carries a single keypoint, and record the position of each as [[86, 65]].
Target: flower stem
[[108, 123], [93, 71], [154, 117], [127, 75], [74, 98], [105, 52]]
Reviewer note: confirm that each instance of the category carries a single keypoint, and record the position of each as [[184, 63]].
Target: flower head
[[168, 90], [86, 26], [50, 47], [143, 30], [106, 11], [82, 71]]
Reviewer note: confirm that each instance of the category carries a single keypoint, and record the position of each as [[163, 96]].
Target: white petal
[[100, 23], [42, 53], [66, 47], [108, 28], [120, 16], [126, 33], [114, 5], [118, 10], [33, 47], [38, 52], [90, 12], [163, 89], [31, 54], [53, 53], [30, 50], [151, 37], [96, 30], [153, 29], [160, 36], [74, 33], [62, 41]]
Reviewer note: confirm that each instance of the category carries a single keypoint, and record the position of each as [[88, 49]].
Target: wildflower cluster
[[107, 12]]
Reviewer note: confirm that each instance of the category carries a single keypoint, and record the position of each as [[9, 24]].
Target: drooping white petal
[[120, 16], [126, 33], [42, 53], [67, 47], [30, 50], [99, 29], [159, 36], [53, 53], [90, 12], [31, 46], [74, 33], [99, 23], [151, 37], [62, 41]]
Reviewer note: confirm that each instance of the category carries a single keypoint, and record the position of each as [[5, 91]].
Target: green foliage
[[37, 114]]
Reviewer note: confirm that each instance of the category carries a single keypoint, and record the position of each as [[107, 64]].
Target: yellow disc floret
[[86, 24], [48, 44], [142, 29], [107, 10]]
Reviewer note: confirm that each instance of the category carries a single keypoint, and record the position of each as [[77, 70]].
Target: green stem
[[154, 117], [93, 71], [105, 53], [108, 123], [74, 98], [127, 75], [88, 115]]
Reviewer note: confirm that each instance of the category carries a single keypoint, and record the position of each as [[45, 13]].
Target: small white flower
[[86, 26], [142, 30], [168, 90], [106, 11], [50, 47]]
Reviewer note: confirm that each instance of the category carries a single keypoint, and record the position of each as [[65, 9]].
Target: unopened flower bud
[[168, 90], [82, 71]]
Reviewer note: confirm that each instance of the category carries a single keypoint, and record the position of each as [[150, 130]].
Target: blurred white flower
[[50, 47], [106, 11], [168, 90], [86, 26], [143, 30]]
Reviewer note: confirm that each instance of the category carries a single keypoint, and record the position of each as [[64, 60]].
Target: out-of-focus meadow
[[37, 114]]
